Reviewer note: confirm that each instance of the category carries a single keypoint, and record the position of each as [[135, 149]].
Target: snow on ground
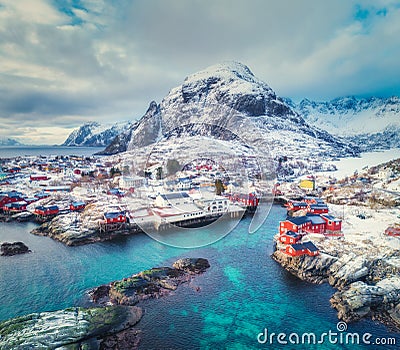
[[369, 231]]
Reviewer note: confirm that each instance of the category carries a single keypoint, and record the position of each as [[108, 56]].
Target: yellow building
[[307, 184]]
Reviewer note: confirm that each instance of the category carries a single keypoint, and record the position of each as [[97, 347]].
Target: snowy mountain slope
[[372, 123], [229, 97], [351, 116], [93, 134]]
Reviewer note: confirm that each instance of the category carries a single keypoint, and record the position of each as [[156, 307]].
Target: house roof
[[319, 206], [174, 195], [297, 246], [306, 245], [316, 219], [76, 204], [310, 246], [113, 215], [292, 234], [300, 220], [299, 204], [331, 218]]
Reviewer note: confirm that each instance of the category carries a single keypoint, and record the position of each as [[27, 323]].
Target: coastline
[[367, 284], [112, 318]]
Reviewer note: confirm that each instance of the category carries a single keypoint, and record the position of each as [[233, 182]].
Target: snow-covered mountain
[[372, 123], [94, 134], [9, 142], [227, 100]]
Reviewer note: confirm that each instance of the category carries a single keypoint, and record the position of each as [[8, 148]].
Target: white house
[[128, 182], [173, 199]]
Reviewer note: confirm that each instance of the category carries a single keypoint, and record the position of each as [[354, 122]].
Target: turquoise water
[[242, 293]]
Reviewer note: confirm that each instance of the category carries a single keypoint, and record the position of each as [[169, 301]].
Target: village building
[[332, 224], [289, 237], [15, 207], [46, 210], [393, 231], [299, 249], [131, 182], [172, 199], [77, 206]]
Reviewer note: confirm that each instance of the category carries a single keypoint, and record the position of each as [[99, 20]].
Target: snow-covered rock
[[224, 101], [372, 123], [94, 134]]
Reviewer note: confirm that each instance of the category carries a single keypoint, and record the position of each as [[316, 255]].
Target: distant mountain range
[[9, 142], [371, 123], [229, 96], [94, 134]]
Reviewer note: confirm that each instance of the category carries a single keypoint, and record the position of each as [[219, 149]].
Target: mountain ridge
[[230, 97], [94, 134]]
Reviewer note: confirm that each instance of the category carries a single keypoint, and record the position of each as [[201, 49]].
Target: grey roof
[[176, 195], [316, 219]]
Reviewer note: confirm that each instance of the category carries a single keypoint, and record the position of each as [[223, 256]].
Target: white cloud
[[105, 60]]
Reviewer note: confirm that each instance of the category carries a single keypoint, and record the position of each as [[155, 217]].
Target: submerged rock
[[74, 328], [154, 282], [9, 249]]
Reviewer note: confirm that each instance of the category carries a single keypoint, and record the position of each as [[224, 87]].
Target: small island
[[111, 322], [9, 249]]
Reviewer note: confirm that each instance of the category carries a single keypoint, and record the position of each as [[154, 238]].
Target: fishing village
[[330, 222], [78, 200]]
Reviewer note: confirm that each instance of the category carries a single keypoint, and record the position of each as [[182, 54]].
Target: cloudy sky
[[66, 62]]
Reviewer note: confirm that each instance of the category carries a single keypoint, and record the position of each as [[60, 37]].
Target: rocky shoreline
[[71, 237], [152, 283], [366, 285], [111, 324]]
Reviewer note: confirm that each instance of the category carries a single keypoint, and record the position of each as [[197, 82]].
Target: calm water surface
[[242, 293]]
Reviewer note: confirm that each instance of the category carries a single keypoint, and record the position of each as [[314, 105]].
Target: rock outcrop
[[366, 285], [73, 328], [9, 249], [111, 326], [155, 282], [359, 299], [307, 268]]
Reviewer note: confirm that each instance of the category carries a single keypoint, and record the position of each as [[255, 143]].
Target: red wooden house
[[298, 249], [115, 217], [15, 207], [317, 224], [295, 206], [47, 211], [318, 209], [296, 224], [38, 177], [289, 237], [249, 200], [77, 206], [332, 224], [393, 231], [9, 197]]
